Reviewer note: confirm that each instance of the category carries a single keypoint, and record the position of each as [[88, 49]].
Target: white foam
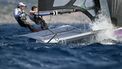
[[103, 23]]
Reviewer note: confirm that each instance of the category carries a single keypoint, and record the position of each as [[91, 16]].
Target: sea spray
[[106, 28]]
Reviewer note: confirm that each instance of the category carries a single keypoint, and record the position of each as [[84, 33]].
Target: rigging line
[[52, 31], [51, 38]]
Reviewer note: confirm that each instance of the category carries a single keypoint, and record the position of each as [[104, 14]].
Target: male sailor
[[20, 16], [37, 19]]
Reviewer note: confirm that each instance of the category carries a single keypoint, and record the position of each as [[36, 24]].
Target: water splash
[[106, 28]]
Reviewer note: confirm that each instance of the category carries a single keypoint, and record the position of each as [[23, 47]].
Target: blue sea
[[21, 53]]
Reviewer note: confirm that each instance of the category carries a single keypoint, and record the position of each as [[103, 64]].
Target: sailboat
[[67, 33]]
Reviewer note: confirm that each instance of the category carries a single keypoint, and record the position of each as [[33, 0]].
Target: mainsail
[[85, 6], [56, 4]]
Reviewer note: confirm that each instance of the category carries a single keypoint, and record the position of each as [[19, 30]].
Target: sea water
[[21, 53]]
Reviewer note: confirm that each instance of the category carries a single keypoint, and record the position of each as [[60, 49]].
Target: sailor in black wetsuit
[[20, 16], [37, 19]]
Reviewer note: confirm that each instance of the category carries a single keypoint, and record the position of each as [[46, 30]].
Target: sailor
[[20, 16], [37, 19]]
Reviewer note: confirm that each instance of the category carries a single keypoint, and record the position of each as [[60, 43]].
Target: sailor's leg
[[27, 25], [44, 25]]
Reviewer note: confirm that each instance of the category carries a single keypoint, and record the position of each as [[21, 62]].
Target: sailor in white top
[[20, 16], [19, 11]]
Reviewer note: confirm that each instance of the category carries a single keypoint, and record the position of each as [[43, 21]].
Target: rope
[[55, 34]]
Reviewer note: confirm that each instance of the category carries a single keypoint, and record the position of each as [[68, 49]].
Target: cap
[[21, 4]]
